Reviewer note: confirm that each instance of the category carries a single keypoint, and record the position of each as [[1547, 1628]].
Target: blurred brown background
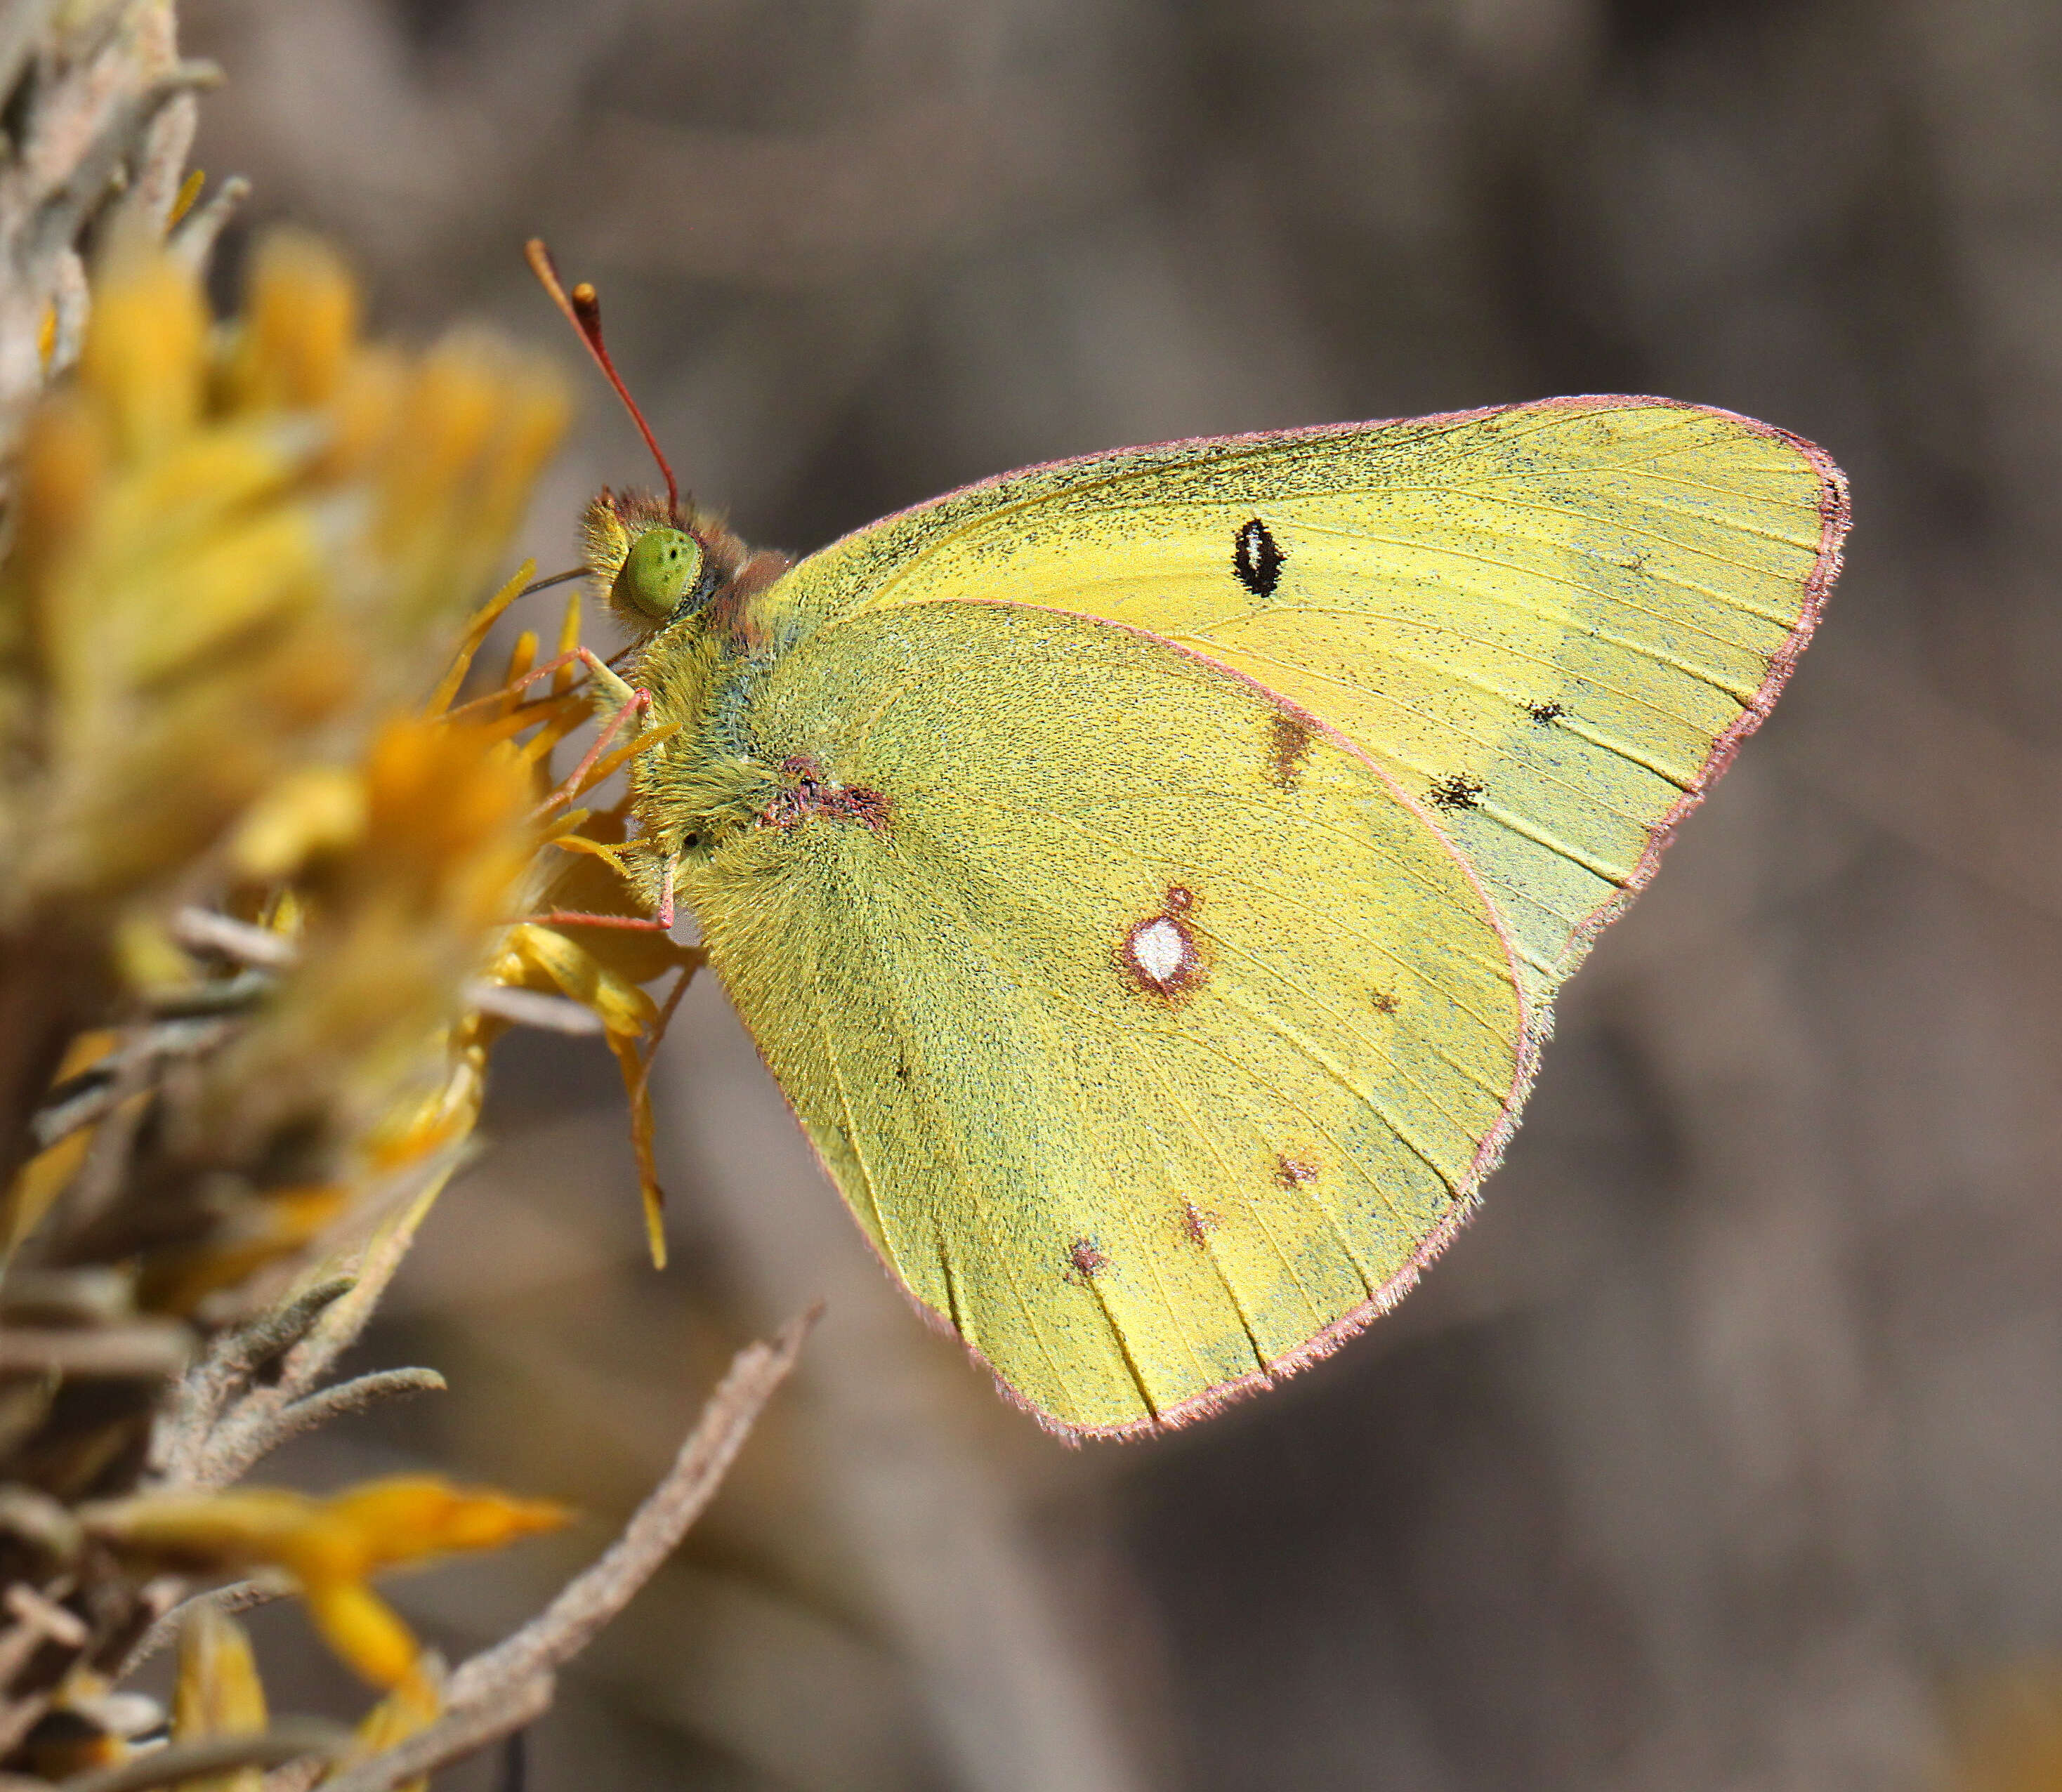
[[1723, 1451]]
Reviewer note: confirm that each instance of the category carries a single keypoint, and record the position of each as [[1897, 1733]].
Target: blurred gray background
[[1723, 1449]]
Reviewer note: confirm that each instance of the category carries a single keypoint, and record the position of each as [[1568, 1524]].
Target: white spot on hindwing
[[1159, 953], [1159, 950]]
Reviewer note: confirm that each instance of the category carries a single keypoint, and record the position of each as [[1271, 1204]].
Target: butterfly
[[1148, 876]]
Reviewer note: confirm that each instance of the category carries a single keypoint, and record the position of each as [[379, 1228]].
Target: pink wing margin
[[1834, 516], [1835, 512]]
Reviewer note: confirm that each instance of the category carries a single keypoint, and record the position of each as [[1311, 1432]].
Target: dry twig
[[225, 1372], [46, 1614], [224, 1423], [144, 1349], [238, 1596], [355, 1396], [289, 1739], [501, 1689]]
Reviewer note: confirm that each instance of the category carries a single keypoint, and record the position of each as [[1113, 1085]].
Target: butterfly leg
[[614, 692], [660, 923], [617, 701], [634, 702]]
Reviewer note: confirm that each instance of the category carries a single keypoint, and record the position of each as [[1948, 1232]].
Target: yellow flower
[[2006, 1731], [218, 1692], [240, 553], [415, 1702], [263, 907], [397, 915], [330, 1546], [229, 542]]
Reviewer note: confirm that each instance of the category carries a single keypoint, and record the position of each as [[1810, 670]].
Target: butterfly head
[[662, 575], [655, 567], [657, 561]]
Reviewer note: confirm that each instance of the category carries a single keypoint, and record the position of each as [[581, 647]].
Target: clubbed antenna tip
[[583, 310]]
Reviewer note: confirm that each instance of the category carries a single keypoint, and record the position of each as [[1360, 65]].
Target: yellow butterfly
[[1147, 875]]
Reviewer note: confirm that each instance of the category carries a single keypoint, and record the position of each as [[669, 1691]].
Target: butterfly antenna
[[583, 310], [556, 578]]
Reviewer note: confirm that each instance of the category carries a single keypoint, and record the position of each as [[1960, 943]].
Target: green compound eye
[[663, 566]]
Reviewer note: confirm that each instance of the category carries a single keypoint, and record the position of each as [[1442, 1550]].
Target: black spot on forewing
[[1256, 558], [1459, 791], [1543, 713]]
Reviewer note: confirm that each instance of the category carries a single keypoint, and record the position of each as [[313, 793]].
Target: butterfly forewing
[[1549, 623], [1153, 1035]]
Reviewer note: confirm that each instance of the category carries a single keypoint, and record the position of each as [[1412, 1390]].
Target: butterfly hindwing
[[1153, 1035]]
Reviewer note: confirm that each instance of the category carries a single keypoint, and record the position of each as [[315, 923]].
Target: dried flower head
[[267, 900], [235, 549], [261, 905]]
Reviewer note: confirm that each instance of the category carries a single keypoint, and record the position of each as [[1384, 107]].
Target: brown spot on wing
[[1384, 1002], [1087, 1258], [1198, 1222], [1288, 747], [806, 794], [1294, 1173]]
